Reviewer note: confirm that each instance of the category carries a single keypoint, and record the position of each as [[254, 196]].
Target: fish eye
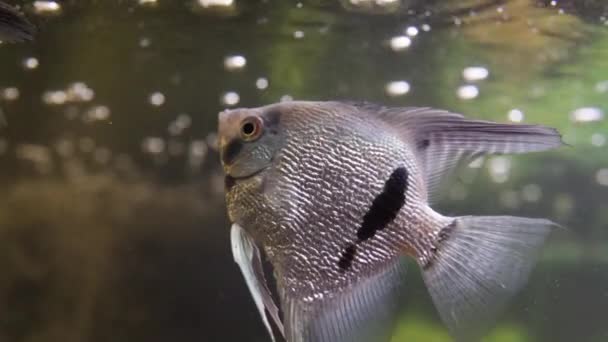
[[251, 128]]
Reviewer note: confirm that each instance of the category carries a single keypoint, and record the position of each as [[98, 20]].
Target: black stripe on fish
[[386, 205], [231, 150], [348, 256], [383, 211]]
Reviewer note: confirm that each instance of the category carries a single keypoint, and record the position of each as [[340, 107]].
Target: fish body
[[326, 187], [336, 194]]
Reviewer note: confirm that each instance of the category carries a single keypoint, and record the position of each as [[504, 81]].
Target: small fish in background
[[337, 194], [14, 26]]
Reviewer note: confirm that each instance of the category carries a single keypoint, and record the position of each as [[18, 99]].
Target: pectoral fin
[[247, 256]]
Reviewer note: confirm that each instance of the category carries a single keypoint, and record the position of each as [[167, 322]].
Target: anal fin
[[365, 311]]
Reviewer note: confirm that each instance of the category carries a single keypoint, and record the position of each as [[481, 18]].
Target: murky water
[[112, 223]]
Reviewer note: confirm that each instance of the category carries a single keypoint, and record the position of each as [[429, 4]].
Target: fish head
[[249, 139]]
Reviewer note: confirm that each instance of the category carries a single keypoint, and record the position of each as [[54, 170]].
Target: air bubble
[[148, 2], [411, 31], [55, 97], [31, 63], [602, 177], [587, 114], [397, 88], [97, 113], [157, 99], [10, 94], [215, 3], [153, 145], [516, 115], [601, 87], [472, 74], [261, 83], [231, 98], [144, 42], [598, 139], [468, 92], [46, 7], [400, 43], [234, 63], [198, 148], [79, 92], [499, 168]]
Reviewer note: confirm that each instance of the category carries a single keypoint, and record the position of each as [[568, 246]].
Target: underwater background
[[112, 217]]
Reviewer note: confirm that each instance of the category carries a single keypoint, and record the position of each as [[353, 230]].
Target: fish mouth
[[247, 175], [230, 181]]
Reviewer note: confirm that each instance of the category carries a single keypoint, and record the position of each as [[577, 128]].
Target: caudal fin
[[479, 264]]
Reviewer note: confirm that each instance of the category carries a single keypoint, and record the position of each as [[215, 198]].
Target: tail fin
[[480, 263]]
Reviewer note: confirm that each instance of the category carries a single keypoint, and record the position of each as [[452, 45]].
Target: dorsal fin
[[442, 139]]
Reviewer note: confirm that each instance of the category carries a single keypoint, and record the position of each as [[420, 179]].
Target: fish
[[336, 197], [14, 26]]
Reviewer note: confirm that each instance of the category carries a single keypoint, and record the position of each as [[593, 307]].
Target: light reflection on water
[[111, 207]]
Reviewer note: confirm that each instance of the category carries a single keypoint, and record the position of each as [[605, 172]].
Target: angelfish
[[337, 194]]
